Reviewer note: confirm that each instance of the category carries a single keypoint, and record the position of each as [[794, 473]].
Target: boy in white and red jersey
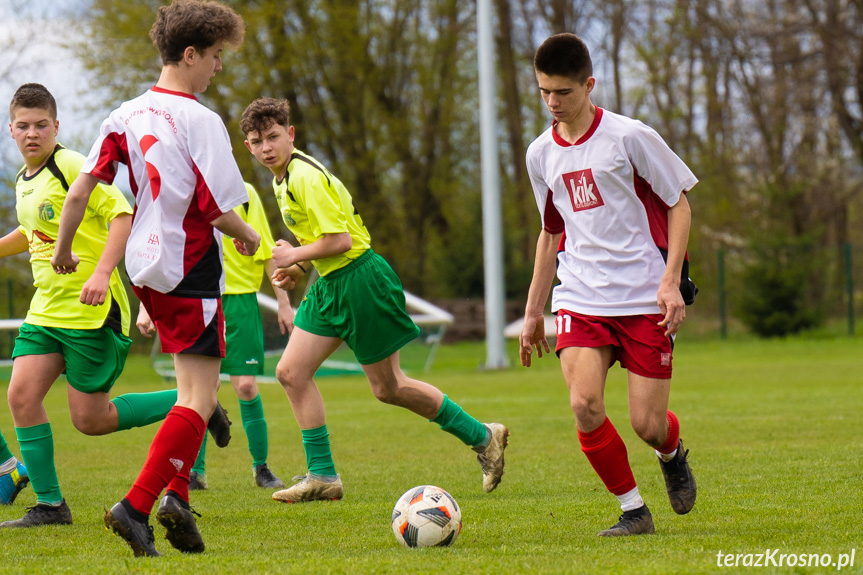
[[186, 184], [612, 197]]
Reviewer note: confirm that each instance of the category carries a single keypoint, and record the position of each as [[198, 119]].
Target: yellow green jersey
[[314, 202], [38, 202], [243, 273]]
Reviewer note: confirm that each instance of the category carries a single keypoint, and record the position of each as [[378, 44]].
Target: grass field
[[773, 426]]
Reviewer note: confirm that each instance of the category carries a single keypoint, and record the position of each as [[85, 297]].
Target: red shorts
[[637, 342], [186, 325]]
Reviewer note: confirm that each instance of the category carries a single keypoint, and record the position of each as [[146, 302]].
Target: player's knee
[[247, 389], [587, 407], [292, 378], [284, 374], [386, 394], [90, 425], [23, 404], [386, 388], [650, 431], [15, 400]]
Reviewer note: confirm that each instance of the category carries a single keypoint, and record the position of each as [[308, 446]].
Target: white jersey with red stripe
[[183, 175], [609, 193]]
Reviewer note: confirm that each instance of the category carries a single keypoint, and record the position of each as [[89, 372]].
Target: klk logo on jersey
[[582, 189]]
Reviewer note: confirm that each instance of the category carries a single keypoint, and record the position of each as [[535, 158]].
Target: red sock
[[180, 483], [173, 451], [673, 435], [606, 452]]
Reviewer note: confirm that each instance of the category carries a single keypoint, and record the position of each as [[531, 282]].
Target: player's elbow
[[344, 242]]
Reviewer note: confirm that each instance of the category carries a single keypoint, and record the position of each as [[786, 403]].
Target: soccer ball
[[426, 516]]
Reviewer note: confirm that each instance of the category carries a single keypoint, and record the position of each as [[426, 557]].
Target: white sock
[[8, 466], [666, 456], [630, 500]]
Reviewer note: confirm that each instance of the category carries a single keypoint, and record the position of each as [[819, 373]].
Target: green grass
[[774, 428]]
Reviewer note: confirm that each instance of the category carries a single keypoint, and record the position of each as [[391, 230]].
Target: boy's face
[[203, 66], [35, 133], [272, 147], [565, 97]]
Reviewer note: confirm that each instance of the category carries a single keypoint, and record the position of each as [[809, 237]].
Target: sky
[[32, 50]]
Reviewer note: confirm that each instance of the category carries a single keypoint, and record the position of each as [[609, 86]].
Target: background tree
[[381, 92], [762, 99]]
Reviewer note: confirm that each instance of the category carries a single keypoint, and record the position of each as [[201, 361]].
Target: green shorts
[[362, 303], [94, 357], [244, 335]]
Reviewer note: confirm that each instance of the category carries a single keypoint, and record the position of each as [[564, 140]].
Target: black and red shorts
[[186, 325]]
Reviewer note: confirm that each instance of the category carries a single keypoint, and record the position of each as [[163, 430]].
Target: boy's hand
[[532, 336], [286, 317], [671, 305], [144, 323], [65, 263], [250, 246], [282, 255], [287, 278], [95, 289]]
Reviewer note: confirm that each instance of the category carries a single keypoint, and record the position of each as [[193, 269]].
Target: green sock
[[453, 419], [319, 458], [37, 451], [5, 454], [198, 467], [252, 412], [140, 409]]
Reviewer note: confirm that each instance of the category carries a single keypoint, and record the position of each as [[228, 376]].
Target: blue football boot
[[12, 483]]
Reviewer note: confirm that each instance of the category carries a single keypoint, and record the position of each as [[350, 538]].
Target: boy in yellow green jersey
[[358, 300], [244, 339], [77, 325]]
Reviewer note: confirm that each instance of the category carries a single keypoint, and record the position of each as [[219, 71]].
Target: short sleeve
[[108, 149], [552, 222], [108, 202], [220, 187], [655, 162], [323, 207]]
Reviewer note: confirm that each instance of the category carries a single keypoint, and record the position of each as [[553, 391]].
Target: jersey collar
[[173, 93], [593, 126]]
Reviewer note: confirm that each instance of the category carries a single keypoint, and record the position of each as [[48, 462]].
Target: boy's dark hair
[[564, 55], [33, 96], [197, 23], [263, 113]]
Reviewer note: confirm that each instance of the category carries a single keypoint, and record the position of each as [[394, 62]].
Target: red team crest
[[583, 192]]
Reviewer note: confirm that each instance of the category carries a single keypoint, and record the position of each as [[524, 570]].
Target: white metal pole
[[491, 205]]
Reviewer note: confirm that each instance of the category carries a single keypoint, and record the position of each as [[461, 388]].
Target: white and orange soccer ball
[[426, 516]]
